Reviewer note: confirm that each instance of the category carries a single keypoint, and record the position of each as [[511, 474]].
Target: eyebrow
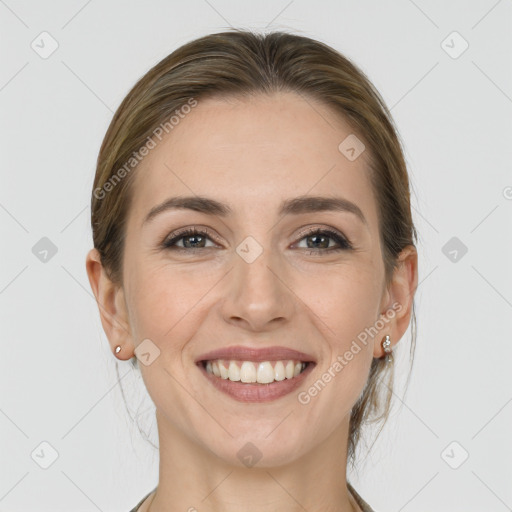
[[296, 206]]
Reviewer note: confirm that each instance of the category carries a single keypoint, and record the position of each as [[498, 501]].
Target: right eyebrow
[[195, 203]]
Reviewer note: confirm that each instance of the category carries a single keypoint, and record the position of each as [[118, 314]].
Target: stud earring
[[386, 346], [118, 349]]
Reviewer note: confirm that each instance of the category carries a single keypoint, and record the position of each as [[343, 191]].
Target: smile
[[255, 374], [248, 376], [262, 372]]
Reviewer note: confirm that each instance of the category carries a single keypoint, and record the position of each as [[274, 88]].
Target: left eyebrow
[[312, 204], [296, 206]]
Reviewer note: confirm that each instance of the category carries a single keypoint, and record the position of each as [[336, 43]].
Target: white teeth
[[289, 369], [265, 373], [279, 371], [224, 372], [234, 371], [249, 372]]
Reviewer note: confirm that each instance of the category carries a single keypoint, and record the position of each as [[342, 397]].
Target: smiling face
[[282, 286]]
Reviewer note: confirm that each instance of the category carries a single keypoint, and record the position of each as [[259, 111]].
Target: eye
[[192, 239], [319, 239]]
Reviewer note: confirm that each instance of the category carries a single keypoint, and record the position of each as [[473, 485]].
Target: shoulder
[[137, 507], [365, 507]]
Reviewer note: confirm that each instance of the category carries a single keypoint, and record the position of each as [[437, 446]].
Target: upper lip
[[242, 353]]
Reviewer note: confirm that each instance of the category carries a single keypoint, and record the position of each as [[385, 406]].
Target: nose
[[258, 297]]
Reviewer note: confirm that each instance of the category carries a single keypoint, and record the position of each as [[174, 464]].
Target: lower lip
[[245, 392]]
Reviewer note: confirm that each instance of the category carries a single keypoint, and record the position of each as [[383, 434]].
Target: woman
[[254, 250]]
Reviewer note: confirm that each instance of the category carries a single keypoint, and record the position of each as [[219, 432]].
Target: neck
[[192, 478]]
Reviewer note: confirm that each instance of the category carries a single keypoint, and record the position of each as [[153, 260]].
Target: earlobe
[[399, 299], [111, 305]]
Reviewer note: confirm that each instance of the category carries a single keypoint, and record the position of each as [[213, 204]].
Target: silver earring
[[118, 349], [386, 345]]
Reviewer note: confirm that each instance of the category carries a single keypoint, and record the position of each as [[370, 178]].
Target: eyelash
[[343, 242]]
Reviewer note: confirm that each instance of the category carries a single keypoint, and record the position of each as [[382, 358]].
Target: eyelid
[[189, 231], [329, 230], [344, 242]]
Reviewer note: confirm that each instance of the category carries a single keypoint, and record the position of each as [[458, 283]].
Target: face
[[252, 276]]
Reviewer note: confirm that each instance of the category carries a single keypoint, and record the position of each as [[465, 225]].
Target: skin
[[251, 154]]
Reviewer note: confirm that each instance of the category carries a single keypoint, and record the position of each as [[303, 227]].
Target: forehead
[[254, 153]]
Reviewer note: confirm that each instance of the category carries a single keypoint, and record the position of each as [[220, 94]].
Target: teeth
[[224, 372], [265, 373], [234, 371], [279, 371], [249, 372], [289, 369]]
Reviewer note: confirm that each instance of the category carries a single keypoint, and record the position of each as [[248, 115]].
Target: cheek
[[167, 306], [341, 311], [346, 301]]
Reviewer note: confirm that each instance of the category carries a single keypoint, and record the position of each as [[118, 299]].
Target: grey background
[[453, 111]]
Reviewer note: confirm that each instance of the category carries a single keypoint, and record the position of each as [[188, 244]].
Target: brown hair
[[241, 63]]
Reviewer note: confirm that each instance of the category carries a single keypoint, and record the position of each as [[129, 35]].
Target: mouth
[[247, 372], [251, 375]]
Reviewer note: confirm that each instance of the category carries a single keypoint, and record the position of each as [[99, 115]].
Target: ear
[[111, 304], [396, 306]]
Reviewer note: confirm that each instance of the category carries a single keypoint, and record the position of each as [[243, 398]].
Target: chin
[[260, 450]]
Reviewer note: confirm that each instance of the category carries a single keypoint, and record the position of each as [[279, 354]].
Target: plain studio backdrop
[[67, 442]]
